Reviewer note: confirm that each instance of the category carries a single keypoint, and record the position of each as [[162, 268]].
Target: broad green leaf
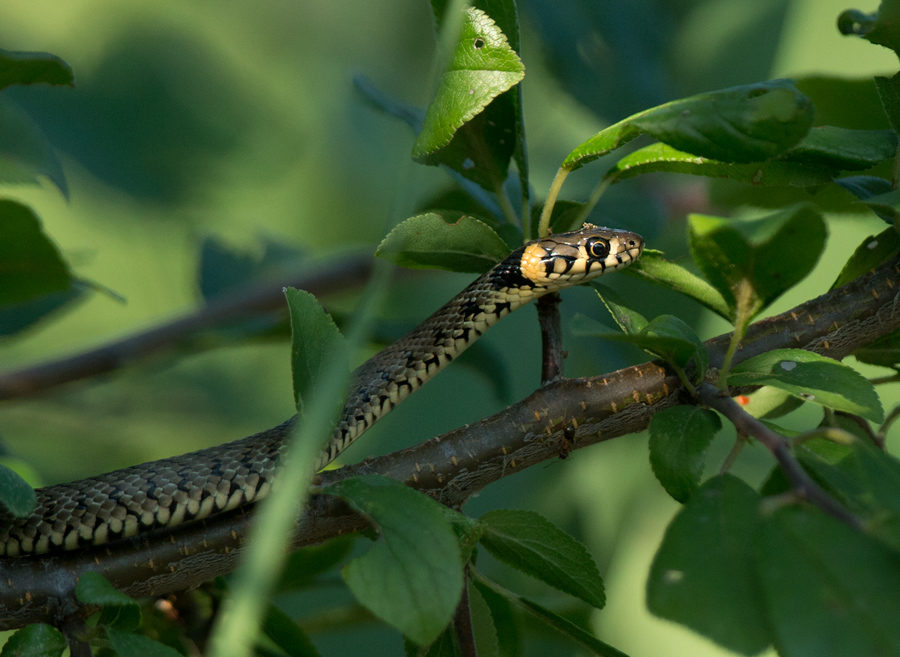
[[25, 153], [412, 576], [675, 348], [653, 268], [119, 610], [18, 317], [873, 251], [889, 94], [880, 27], [847, 150], [829, 94], [33, 68], [828, 590], [568, 629], [531, 543], [36, 640], [127, 644], [662, 158], [483, 67], [679, 438], [316, 347], [15, 493], [505, 620], [884, 351], [428, 240], [886, 206], [703, 574], [812, 378], [303, 566], [30, 264], [749, 123], [752, 263], [467, 530], [671, 327], [486, 638], [286, 634], [630, 321], [863, 187]]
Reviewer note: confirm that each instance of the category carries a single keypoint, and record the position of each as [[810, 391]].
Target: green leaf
[[15, 493], [752, 263], [286, 634], [884, 351], [505, 621], [879, 28], [30, 265], [303, 566], [630, 321], [863, 187], [531, 543], [671, 327], [653, 268], [847, 150], [886, 206], [566, 628], [412, 576], [430, 241], [127, 644], [18, 317], [483, 624], [565, 216], [828, 589], [703, 574], [674, 348], [873, 251], [483, 67], [889, 94], [812, 378], [317, 346], [679, 438], [769, 402], [25, 153], [36, 640], [748, 123], [33, 68], [119, 610]]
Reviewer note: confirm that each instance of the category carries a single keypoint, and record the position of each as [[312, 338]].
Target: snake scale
[[165, 493]]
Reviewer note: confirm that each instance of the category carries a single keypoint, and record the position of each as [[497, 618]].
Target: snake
[[159, 495]]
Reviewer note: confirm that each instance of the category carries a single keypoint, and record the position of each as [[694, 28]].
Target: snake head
[[566, 259]]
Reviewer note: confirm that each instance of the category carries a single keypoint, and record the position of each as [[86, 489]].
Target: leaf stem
[[736, 449], [462, 624], [552, 193], [740, 328], [595, 196], [509, 213]]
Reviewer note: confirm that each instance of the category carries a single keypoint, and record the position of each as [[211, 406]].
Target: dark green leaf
[[886, 206], [863, 187], [138, 645], [531, 543], [429, 241], [830, 94], [20, 316], [703, 574], [566, 628], [33, 68], [119, 610], [505, 621], [303, 566], [630, 321], [15, 493], [486, 638], [25, 153], [679, 438], [317, 346], [30, 265], [286, 634], [410, 114], [884, 351], [443, 646], [829, 590], [563, 218], [662, 158], [752, 263], [880, 27], [812, 378], [749, 123], [669, 347], [889, 94], [653, 268], [874, 250], [671, 327], [412, 577], [468, 531], [848, 150], [37, 640], [483, 67], [223, 269]]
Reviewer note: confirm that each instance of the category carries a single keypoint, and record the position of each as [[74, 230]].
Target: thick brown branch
[[458, 464], [246, 302], [552, 354]]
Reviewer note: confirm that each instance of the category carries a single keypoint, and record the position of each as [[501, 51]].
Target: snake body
[[166, 493]]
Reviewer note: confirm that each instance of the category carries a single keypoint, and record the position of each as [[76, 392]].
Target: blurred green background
[[239, 121]]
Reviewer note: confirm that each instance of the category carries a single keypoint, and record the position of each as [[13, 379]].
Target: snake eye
[[597, 247]]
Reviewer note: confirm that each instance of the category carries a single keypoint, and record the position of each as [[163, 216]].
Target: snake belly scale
[[166, 493]]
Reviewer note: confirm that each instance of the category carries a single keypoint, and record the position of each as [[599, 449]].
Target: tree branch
[[250, 300], [552, 354], [456, 465]]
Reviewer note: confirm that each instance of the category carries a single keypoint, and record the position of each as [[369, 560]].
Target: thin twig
[[876, 437], [76, 632], [552, 354], [462, 624], [750, 426]]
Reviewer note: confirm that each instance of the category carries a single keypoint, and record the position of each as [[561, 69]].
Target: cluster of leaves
[[746, 568]]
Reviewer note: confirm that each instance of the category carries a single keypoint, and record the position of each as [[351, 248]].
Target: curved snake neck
[[172, 491]]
